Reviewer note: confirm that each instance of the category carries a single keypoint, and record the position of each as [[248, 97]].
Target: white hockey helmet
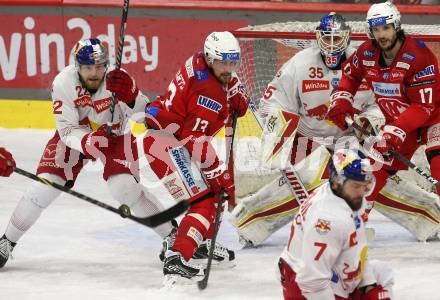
[[221, 46], [381, 14]]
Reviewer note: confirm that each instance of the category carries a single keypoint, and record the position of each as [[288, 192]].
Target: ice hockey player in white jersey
[[81, 95], [326, 256], [303, 86]]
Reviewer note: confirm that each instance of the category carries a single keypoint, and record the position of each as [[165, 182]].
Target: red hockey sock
[[193, 228]]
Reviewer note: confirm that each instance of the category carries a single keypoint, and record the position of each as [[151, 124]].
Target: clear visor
[[332, 42]]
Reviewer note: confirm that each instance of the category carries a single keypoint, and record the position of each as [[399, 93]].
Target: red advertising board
[[34, 48]]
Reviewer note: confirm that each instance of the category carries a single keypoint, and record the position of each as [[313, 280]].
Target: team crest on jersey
[[314, 85], [408, 56], [271, 124], [426, 72], [210, 104], [322, 226], [386, 76]]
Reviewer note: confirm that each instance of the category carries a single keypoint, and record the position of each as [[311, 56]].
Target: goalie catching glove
[[341, 105], [219, 178]]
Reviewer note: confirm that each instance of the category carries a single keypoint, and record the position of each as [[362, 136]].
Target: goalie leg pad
[[410, 206], [258, 216]]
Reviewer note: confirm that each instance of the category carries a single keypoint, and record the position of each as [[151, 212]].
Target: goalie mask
[[90, 52], [381, 14], [222, 46], [351, 165], [333, 38]]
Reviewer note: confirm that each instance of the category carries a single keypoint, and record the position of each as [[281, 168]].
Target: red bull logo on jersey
[[315, 85], [319, 112], [353, 275], [322, 226], [210, 104]]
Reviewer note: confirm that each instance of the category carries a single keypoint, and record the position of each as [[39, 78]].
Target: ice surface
[[80, 251]]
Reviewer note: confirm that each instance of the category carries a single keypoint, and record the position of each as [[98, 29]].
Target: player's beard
[[355, 203], [225, 77], [92, 84], [390, 47]]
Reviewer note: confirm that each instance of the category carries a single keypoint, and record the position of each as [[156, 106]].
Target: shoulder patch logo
[[368, 53], [322, 226], [408, 56], [201, 75]]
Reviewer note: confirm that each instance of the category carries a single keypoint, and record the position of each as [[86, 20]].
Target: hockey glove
[[389, 137], [238, 97], [219, 178], [341, 104], [377, 293], [7, 163], [123, 85], [98, 144]]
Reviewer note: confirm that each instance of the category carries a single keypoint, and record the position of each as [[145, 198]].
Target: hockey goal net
[[265, 48]]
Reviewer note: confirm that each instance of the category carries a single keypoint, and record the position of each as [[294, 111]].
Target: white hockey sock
[[29, 208], [127, 191]]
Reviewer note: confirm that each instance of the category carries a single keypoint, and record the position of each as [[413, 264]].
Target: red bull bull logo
[[322, 226], [319, 112]]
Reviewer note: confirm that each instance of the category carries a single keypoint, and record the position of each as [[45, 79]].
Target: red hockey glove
[[377, 293], [389, 137], [7, 163], [238, 97], [123, 85], [341, 104], [98, 144], [218, 178]]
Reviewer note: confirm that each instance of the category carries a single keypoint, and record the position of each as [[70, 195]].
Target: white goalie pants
[[123, 188]]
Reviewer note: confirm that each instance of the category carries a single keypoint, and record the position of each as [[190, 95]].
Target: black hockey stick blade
[[164, 216]]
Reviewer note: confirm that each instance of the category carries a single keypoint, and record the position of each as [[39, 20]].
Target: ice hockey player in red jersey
[[326, 256], [81, 95], [7, 163], [403, 74], [200, 101]]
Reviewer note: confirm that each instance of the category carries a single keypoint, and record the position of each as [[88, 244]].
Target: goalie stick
[[290, 175], [119, 57], [397, 155], [204, 282]]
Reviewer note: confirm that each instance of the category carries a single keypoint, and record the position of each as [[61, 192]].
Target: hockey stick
[[119, 58], [124, 211], [290, 175], [396, 154], [204, 282]]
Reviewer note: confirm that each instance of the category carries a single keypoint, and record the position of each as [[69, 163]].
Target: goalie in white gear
[[326, 255], [81, 101], [303, 86]]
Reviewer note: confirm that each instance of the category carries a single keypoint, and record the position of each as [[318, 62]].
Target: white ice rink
[[80, 251]]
